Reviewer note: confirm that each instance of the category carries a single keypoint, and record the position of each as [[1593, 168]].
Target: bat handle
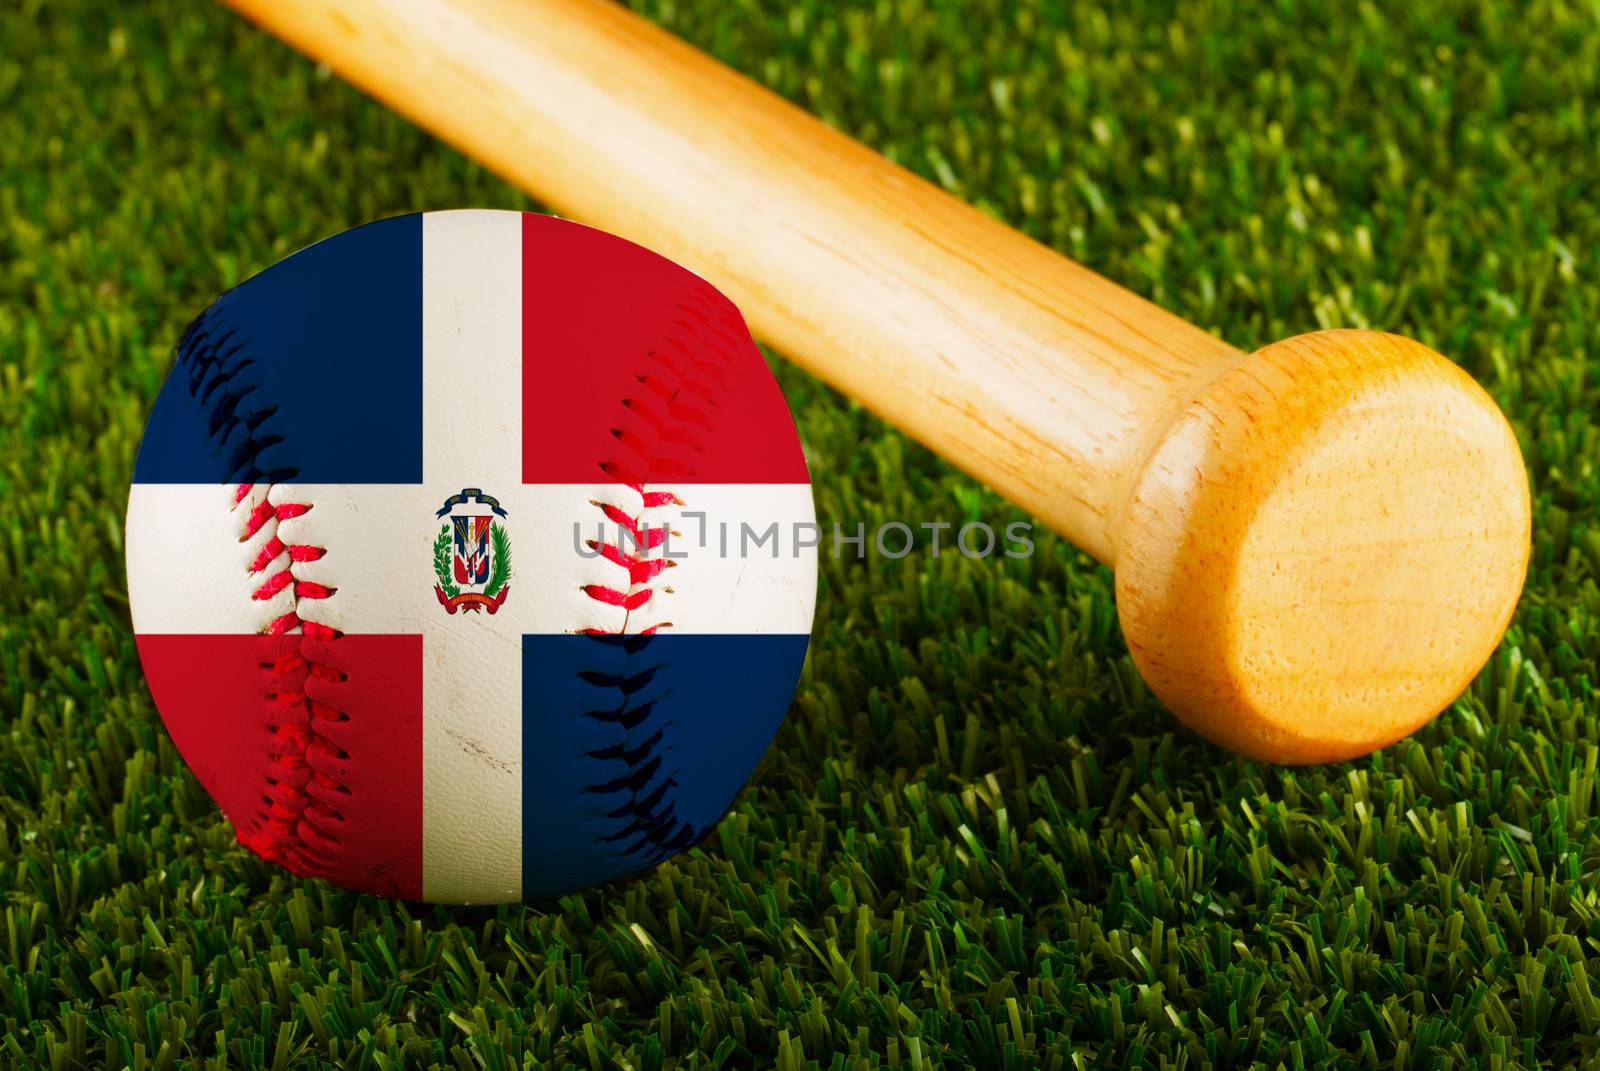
[[1324, 546], [1025, 369], [1316, 545]]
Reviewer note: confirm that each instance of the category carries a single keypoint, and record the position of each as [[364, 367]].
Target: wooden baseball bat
[[1316, 545]]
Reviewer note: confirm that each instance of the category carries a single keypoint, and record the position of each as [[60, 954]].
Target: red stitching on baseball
[[300, 817], [674, 410], [613, 597]]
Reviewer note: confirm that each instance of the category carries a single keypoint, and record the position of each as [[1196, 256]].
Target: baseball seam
[[297, 824], [674, 403]]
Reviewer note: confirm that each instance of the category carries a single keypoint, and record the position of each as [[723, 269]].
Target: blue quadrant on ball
[[310, 371], [634, 747]]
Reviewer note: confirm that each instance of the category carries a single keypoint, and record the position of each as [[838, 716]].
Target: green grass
[[978, 841]]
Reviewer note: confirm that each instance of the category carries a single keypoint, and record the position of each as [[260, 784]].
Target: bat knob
[[1325, 547]]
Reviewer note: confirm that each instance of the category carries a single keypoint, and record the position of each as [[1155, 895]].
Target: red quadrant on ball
[[631, 360], [337, 726]]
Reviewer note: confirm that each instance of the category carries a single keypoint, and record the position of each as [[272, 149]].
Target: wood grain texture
[[1324, 547], [1029, 371], [1034, 374]]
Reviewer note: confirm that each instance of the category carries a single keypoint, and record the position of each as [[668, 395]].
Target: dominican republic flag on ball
[[438, 564]]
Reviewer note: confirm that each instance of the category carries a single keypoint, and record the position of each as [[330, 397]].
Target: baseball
[[418, 557]]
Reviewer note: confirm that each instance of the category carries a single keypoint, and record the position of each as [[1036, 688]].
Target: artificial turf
[[978, 841]]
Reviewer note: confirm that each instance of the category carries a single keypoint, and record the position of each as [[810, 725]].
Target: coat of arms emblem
[[472, 553]]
